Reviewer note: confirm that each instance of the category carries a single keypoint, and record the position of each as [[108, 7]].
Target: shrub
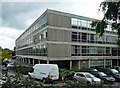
[[48, 81], [18, 81], [67, 74], [71, 84], [22, 69]]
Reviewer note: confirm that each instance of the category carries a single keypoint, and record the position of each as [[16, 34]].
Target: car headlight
[[93, 80], [107, 78]]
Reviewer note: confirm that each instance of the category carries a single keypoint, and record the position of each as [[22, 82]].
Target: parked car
[[92, 69], [2, 81], [9, 65], [103, 76], [42, 71], [87, 78], [3, 77], [111, 72], [4, 68], [7, 60], [117, 68]]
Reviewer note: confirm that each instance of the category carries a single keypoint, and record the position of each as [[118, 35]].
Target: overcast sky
[[16, 17]]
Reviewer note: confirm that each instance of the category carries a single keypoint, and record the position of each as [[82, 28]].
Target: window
[[114, 51], [84, 37], [74, 22], [89, 24], [84, 50], [92, 50], [79, 23], [75, 50], [92, 38], [80, 75], [84, 23], [108, 51], [74, 36]]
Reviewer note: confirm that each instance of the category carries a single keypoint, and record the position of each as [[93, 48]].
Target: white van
[[42, 71]]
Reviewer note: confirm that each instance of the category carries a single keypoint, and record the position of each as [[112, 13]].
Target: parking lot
[[60, 83]]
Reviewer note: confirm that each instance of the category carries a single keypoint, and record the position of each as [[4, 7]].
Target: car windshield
[[94, 70], [11, 63], [102, 74], [114, 71], [90, 76], [3, 66]]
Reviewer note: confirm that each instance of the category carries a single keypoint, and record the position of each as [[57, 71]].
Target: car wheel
[[103, 81], [111, 82], [29, 76], [88, 83], [44, 80], [75, 80]]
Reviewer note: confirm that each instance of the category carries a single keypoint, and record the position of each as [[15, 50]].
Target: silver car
[[87, 78]]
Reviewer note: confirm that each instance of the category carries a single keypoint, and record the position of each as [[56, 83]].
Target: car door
[[81, 78]]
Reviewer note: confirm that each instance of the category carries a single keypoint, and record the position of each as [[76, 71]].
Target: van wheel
[[29, 77], [44, 80]]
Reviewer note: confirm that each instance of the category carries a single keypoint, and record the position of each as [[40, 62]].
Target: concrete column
[[39, 61], [70, 65], [104, 63], [33, 62], [88, 63], [24, 59], [111, 63], [79, 64], [47, 61], [29, 60]]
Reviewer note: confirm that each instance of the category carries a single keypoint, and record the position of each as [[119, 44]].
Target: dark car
[[4, 68], [110, 72], [117, 68], [103, 76], [92, 69]]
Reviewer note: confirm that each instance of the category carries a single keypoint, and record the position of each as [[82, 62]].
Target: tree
[[14, 52], [0, 48], [5, 55], [111, 11]]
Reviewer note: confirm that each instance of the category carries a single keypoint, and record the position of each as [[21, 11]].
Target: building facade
[[67, 40]]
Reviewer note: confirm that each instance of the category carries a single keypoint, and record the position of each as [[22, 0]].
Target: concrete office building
[[67, 40]]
